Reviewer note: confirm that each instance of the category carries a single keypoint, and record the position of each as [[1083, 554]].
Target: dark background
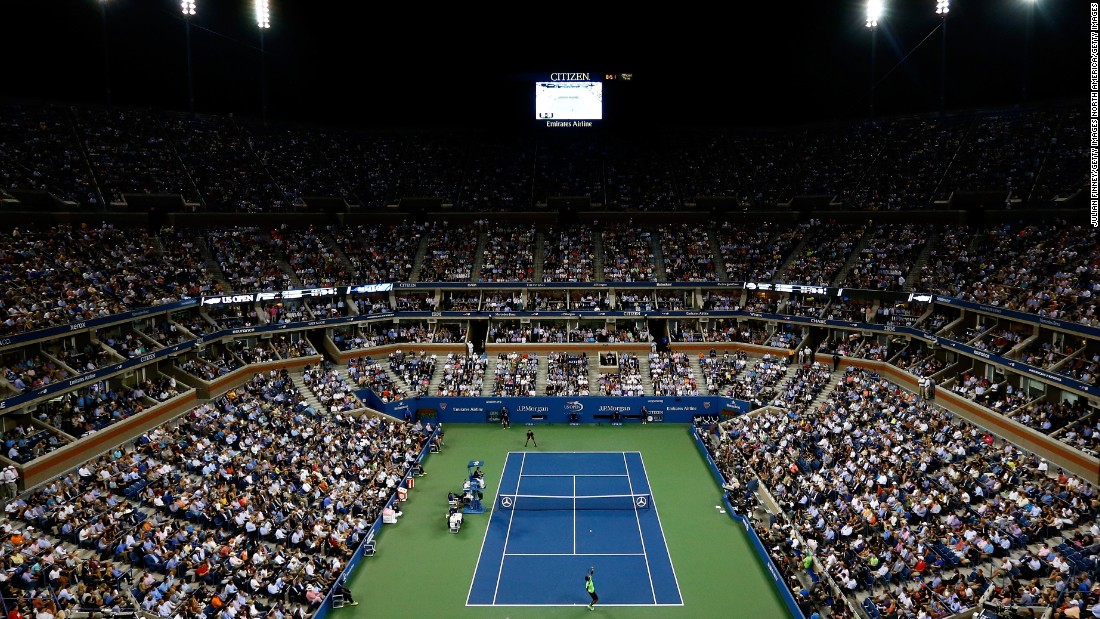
[[414, 64]]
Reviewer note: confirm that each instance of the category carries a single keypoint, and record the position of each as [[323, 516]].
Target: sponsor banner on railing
[[60, 386], [295, 294], [19, 338], [581, 314], [306, 293], [1044, 375], [810, 289], [399, 408], [562, 285], [98, 374], [556, 409], [290, 326], [660, 313], [331, 322], [821, 322], [1021, 316]]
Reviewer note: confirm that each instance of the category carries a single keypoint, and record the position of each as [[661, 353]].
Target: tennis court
[[423, 571], [556, 514]]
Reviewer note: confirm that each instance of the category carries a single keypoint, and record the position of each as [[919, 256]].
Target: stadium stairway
[[479, 256], [798, 250], [647, 380], [490, 382], [922, 259], [1059, 133], [853, 259], [418, 259], [716, 252], [594, 375], [288, 270], [397, 380], [697, 370], [334, 247], [967, 139], [597, 257], [540, 256], [208, 257], [542, 373], [155, 242], [437, 376], [307, 393], [658, 257], [823, 395]]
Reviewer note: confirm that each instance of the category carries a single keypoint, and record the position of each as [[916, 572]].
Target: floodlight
[[188, 7], [263, 14], [943, 7], [874, 12]]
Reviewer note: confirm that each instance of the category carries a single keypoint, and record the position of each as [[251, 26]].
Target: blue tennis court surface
[[555, 515]]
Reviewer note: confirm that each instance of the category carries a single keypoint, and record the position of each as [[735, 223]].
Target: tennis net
[[541, 502]]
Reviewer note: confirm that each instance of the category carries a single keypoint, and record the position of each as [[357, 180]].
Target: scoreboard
[[573, 99]]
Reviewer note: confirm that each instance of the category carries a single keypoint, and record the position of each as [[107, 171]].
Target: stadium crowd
[[212, 512], [567, 374], [252, 503], [416, 369], [92, 157], [516, 375], [893, 498]]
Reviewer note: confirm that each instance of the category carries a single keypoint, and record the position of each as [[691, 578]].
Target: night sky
[[416, 65]]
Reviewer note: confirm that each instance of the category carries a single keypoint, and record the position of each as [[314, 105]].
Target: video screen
[[568, 100]]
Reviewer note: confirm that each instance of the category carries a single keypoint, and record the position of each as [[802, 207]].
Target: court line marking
[[574, 514], [574, 605], [580, 475], [576, 554], [641, 536], [486, 535], [504, 551], [663, 538], [552, 453]]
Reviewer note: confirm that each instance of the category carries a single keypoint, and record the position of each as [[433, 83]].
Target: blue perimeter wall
[[758, 545], [556, 409]]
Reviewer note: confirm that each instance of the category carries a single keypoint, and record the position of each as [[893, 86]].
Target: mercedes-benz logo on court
[[640, 501], [506, 501]]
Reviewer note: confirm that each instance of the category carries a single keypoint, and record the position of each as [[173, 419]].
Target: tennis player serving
[[590, 585]]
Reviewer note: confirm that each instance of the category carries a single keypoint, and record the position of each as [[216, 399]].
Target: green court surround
[[423, 571]]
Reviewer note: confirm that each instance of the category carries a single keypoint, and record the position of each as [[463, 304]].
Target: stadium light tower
[[106, 50], [1026, 71], [188, 7], [943, 7], [875, 9], [263, 21]]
